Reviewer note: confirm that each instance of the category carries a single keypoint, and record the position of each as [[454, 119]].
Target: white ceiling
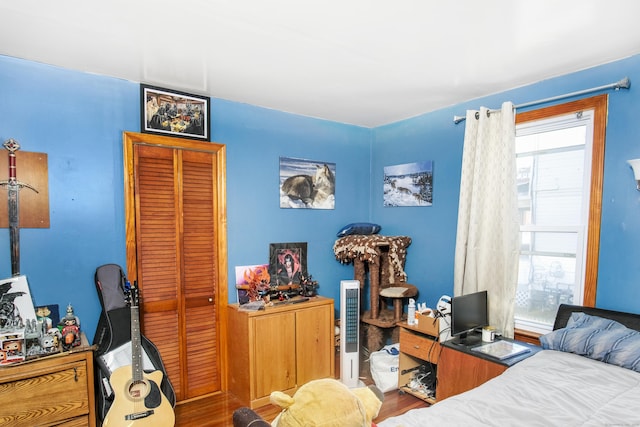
[[364, 62]]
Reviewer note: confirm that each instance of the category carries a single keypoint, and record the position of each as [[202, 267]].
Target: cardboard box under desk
[[428, 325]]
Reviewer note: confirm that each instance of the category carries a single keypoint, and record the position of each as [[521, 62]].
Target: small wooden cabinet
[[52, 391], [461, 369], [279, 348], [418, 345]]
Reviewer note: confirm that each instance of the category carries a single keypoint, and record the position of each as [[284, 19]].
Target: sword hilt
[[7, 183], [12, 146]]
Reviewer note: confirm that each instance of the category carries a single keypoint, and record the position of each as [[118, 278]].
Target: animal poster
[[307, 184], [16, 305], [409, 184]]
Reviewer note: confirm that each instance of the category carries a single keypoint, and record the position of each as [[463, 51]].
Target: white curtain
[[487, 241]]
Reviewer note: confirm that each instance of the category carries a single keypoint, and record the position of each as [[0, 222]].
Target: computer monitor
[[468, 313]]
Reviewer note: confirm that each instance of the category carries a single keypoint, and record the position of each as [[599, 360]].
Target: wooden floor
[[217, 410]]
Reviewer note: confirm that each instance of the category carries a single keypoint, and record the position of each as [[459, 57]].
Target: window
[[559, 157]]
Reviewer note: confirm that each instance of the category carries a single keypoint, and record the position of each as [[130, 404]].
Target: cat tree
[[383, 257]]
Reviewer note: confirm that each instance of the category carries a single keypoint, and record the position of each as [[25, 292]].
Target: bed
[[591, 377]]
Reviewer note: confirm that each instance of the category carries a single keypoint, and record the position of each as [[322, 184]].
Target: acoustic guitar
[[138, 399]]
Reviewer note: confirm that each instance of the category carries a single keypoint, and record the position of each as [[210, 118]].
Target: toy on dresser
[[70, 329], [12, 326], [11, 346]]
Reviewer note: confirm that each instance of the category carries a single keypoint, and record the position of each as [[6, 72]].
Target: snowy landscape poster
[[409, 184]]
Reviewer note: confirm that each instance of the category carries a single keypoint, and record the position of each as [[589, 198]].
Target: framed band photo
[[173, 113]]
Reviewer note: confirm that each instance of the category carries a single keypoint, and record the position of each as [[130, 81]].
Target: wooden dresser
[[279, 348], [55, 390]]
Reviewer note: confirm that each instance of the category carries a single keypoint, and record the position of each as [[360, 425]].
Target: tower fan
[[350, 333]]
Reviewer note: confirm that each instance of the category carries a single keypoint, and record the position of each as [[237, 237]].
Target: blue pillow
[[582, 320], [597, 338], [359, 228]]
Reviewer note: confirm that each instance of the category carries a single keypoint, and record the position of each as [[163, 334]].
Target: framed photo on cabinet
[[252, 283], [172, 113], [287, 263]]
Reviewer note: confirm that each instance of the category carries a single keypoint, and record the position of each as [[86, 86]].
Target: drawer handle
[[75, 374], [417, 347]]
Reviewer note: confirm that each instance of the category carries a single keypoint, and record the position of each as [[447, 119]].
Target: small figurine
[[70, 329], [48, 343], [12, 347], [308, 286]]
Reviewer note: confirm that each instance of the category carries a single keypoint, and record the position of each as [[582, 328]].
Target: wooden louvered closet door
[[177, 252]]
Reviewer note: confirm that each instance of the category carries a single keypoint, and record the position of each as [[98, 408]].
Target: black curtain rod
[[624, 83]]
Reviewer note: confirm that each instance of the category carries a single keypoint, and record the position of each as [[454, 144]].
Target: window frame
[[598, 104]]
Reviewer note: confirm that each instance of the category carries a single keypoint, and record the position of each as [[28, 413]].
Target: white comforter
[[550, 388]]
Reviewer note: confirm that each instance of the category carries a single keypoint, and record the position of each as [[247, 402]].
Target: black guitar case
[[114, 331]]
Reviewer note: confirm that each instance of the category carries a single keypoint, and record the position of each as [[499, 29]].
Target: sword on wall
[[13, 189]]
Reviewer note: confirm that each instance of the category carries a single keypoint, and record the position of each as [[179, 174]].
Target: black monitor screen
[[468, 312]]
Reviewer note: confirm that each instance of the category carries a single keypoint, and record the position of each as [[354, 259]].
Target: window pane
[[551, 173], [550, 187], [549, 139], [558, 243], [544, 282]]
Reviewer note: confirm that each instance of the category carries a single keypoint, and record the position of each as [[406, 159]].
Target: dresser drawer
[[418, 345], [47, 394]]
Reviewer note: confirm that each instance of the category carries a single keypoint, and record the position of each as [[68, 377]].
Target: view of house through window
[[553, 159]]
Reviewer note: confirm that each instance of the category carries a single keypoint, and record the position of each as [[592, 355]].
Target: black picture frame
[[278, 253], [173, 113]]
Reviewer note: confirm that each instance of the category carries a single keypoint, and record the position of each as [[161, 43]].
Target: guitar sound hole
[[138, 389]]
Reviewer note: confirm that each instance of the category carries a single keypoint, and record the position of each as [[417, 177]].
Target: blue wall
[[78, 120], [255, 140], [434, 136]]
